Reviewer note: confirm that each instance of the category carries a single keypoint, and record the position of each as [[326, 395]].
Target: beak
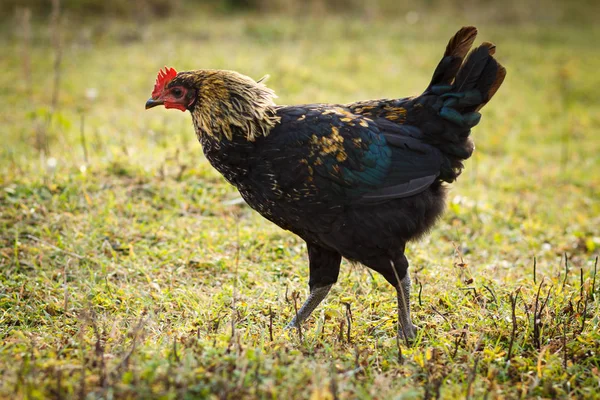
[[153, 103]]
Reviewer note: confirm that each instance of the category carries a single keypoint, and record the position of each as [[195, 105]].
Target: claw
[[291, 325], [411, 333]]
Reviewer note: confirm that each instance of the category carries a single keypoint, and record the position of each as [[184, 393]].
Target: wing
[[326, 154]]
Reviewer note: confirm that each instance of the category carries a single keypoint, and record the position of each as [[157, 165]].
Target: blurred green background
[[125, 259], [506, 11]]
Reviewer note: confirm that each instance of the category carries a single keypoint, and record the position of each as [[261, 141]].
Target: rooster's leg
[[315, 298], [397, 275], [324, 269], [406, 327]]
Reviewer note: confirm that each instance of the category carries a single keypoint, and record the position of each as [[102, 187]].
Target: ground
[[130, 269]]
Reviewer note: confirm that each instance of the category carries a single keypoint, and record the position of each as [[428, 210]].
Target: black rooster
[[358, 180]]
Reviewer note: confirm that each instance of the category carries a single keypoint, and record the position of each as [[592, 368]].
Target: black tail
[[456, 50], [472, 82], [461, 85], [481, 73]]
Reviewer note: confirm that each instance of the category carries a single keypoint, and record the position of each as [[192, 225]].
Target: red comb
[[162, 79]]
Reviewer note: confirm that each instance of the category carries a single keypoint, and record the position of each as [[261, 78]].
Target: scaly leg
[[406, 328], [324, 267], [315, 298]]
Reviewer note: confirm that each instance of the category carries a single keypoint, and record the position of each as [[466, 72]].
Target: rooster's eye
[[177, 92]]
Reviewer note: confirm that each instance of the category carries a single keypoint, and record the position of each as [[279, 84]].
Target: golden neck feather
[[228, 100]]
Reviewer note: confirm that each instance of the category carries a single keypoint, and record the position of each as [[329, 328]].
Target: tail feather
[[491, 47], [456, 50], [472, 70], [499, 78], [480, 72], [458, 72], [460, 44], [461, 85]]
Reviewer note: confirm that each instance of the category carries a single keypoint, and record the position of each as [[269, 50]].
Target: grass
[[137, 274]]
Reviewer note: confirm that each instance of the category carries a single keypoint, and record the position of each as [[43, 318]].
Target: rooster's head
[[222, 103]]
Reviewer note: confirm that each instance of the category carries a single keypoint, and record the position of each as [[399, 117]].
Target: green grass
[[137, 275]]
